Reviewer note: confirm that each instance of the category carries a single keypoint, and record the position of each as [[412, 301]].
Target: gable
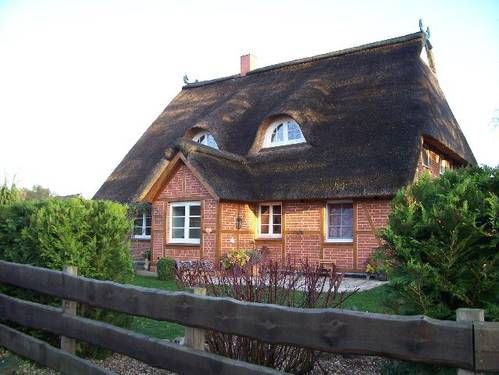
[[178, 181]]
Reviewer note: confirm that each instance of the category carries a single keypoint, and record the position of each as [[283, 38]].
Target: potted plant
[[147, 259]]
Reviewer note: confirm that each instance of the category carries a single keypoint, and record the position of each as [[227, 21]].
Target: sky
[[80, 81]]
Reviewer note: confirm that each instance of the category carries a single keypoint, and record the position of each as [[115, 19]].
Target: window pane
[[178, 222], [194, 222], [137, 231], [177, 233], [346, 233], [277, 219], [195, 210], [278, 134], [276, 209], [265, 219], [148, 231], [178, 211], [264, 210], [294, 131], [334, 232], [194, 233], [264, 229], [277, 229], [210, 141], [335, 220], [148, 221]]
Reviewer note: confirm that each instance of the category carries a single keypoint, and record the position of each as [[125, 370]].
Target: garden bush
[[166, 269], [293, 284], [441, 245], [91, 235]]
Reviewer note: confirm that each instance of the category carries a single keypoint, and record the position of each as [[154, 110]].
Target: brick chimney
[[248, 63]]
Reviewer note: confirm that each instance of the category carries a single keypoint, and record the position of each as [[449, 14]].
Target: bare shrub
[[294, 284]]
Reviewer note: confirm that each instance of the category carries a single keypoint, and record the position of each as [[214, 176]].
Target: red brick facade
[[138, 247], [303, 227]]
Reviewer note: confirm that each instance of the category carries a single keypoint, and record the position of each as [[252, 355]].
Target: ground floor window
[[142, 223], [340, 222], [185, 222], [270, 217]]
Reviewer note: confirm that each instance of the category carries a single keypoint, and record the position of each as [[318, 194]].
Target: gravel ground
[[329, 364], [348, 365], [120, 364], [123, 365]]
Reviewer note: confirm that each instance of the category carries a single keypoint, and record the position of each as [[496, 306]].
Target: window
[[340, 222], [283, 132], [270, 220], [444, 166], [185, 222], [205, 138], [426, 157], [142, 224]]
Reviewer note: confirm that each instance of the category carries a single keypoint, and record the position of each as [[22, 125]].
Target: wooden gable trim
[[151, 193]]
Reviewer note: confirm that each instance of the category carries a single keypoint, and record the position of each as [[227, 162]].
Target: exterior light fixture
[[238, 222]]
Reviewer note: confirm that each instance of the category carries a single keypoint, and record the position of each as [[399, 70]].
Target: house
[[302, 157]]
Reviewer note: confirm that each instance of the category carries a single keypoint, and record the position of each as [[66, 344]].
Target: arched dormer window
[[282, 132], [205, 138]]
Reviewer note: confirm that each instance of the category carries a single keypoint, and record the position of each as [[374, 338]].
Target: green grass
[[369, 300], [150, 327]]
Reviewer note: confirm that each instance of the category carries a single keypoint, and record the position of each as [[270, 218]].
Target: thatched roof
[[362, 111]]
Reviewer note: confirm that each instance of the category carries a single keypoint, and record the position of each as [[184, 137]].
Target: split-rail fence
[[463, 344]]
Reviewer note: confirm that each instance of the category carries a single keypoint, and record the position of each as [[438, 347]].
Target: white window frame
[[206, 134], [143, 235], [426, 152], [271, 233], [186, 239], [445, 164], [339, 240], [285, 121]]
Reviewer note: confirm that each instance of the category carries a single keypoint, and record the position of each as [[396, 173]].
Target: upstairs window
[[205, 138], [142, 224], [270, 220], [283, 132]]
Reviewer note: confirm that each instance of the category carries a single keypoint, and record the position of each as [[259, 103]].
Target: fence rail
[[411, 338]]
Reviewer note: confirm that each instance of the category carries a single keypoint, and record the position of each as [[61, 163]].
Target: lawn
[[369, 300], [155, 328]]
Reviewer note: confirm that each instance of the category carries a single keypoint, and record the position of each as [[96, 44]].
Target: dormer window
[[283, 132], [205, 138]]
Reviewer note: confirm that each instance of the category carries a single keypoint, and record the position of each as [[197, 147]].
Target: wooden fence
[[467, 345]]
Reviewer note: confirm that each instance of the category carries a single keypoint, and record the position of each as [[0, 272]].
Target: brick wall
[[183, 186], [137, 248], [303, 225]]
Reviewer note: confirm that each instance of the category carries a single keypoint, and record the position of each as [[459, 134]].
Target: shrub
[[166, 269], [8, 195], [91, 235], [298, 285], [441, 244]]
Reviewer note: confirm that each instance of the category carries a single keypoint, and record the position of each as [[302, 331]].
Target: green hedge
[[91, 235], [441, 244], [166, 269]]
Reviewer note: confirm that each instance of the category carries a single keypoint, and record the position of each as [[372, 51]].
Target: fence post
[[195, 337], [69, 307], [473, 315]]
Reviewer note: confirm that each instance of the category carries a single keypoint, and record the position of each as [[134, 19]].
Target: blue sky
[[80, 81]]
